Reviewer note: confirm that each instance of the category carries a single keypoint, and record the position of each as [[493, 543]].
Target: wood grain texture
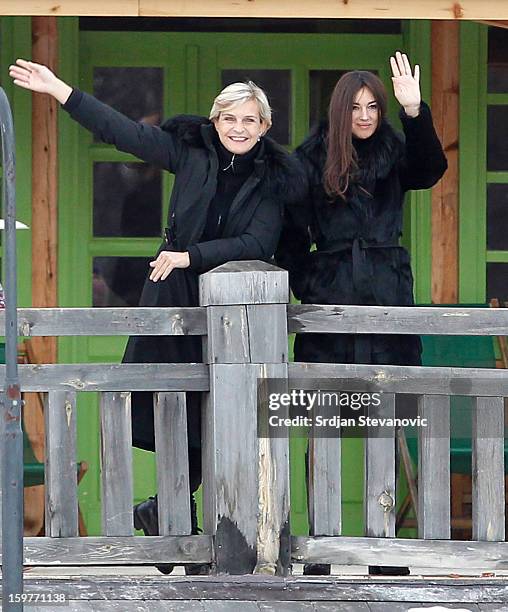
[[434, 467], [379, 498], [110, 550], [307, 318], [402, 379], [110, 321], [173, 493], [112, 377], [326, 9], [399, 551], [44, 223], [61, 516], [117, 487], [325, 590], [445, 195], [488, 470]]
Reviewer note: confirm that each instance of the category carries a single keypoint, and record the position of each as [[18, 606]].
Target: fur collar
[[281, 174], [376, 155]]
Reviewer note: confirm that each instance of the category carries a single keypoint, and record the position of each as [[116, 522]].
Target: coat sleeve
[[148, 143], [295, 243], [423, 162], [258, 241]]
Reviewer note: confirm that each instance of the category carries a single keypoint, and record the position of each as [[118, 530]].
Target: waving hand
[[406, 85]]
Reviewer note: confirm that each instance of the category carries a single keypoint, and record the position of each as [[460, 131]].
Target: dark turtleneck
[[233, 171]]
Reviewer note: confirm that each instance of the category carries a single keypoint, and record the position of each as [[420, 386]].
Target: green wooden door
[[113, 208]]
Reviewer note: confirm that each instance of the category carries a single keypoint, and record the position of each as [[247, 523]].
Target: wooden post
[[445, 196], [44, 223], [245, 479]]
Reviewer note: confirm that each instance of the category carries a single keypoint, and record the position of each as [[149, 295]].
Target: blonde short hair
[[238, 93]]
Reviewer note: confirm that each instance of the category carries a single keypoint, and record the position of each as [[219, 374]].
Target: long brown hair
[[340, 156]]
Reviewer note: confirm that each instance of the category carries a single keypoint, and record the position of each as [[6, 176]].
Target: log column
[[445, 196], [44, 185]]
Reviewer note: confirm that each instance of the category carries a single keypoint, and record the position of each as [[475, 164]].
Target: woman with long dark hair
[[359, 170]]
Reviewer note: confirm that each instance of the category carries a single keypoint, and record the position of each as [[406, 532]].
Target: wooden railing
[[244, 320]]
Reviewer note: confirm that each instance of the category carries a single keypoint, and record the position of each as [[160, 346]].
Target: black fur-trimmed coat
[[358, 259], [184, 146]]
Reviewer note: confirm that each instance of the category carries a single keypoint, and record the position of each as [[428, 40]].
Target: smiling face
[[240, 127], [365, 114]]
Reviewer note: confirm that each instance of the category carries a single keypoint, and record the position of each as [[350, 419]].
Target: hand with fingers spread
[[166, 262], [406, 85], [39, 78]]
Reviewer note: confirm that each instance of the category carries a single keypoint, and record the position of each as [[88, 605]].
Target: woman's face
[[365, 114], [240, 127]]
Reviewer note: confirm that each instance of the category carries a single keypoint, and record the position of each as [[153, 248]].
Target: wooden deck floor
[[121, 590]]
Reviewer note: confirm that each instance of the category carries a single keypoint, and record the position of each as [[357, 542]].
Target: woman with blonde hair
[[231, 183]]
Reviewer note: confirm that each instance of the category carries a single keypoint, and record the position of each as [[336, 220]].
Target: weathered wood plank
[[488, 469], [112, 377], [403, 379], [325, 509], [268, 333], [117, 486], [111, 550], [61, 515], [453, 554], [126, 606], [273, 538], [172, 457], [314, 318], [230, 491], [244, 282], [329, 590], [379, 504], [228, 335], [110, 321], [434, 467]]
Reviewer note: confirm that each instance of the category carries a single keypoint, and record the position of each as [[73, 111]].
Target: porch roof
[[345, 9]]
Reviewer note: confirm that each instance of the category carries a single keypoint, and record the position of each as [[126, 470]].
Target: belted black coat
[[184, 145], [358, 259]]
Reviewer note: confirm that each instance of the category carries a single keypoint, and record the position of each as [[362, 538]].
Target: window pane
[[497, 217], [497, 75], [127, 199], [277, 86], [322, 84], [497, 137], [118, 281], [135, 92], [497, 281]]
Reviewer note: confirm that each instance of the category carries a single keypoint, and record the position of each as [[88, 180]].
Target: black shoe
[[388, 570], [316, 569], [146, 517]]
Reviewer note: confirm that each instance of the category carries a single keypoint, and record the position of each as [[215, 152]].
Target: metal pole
[[12, 460]]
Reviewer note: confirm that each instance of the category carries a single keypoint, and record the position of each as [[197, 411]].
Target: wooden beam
[[44, 185], [445, 196], [304, 9]]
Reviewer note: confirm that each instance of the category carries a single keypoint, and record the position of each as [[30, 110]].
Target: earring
[[259, 137]]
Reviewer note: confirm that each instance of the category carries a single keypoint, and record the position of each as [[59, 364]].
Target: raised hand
[[39, 78], [406, 86]]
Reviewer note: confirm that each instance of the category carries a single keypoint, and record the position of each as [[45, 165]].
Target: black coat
[[184, 145], [358, 259]]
